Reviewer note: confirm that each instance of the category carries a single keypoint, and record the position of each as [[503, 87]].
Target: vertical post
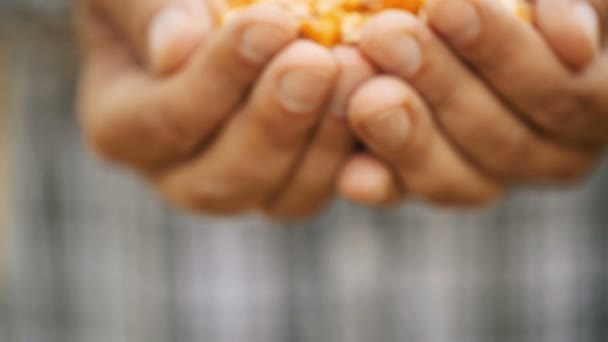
[[4, 156]]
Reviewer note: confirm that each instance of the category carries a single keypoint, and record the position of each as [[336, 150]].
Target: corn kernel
[[325, 30]]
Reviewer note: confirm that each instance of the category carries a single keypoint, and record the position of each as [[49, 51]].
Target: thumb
[[572, 29], [162, 33]]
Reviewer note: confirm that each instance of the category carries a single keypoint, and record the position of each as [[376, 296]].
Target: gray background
[[93, 255]]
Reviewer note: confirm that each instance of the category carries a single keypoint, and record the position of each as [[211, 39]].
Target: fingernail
[[586, 16], [457, 20], [168, 25], [408, 55], [390, 129], [304, 90], [261, 41]]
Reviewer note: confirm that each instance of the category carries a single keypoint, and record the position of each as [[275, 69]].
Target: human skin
[[214, 118], [203, 113], [518, 104]]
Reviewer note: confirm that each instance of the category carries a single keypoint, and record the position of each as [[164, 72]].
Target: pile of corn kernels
[[332, 22]]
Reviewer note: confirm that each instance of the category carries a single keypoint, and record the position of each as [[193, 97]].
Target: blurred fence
[[96, 257]]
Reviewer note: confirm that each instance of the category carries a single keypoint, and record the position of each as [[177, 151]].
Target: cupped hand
[[220, 120], [480, 101]]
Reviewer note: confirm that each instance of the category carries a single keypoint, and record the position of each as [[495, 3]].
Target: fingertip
[[458, 21], [305, 75], [310, 53], [386, 22], [380, 114], [572, 29], [367, 181], [260, 32], [375, 95], [174, 33], [393, 42]]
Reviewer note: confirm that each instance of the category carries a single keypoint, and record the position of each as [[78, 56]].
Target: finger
[[145, 122], [221, 74], [162, 33], [392, 120], [366, 180], [312, 185], [256, 151], [569, 26], [471, 116], [514, 58], [572, 28], [114, 117]]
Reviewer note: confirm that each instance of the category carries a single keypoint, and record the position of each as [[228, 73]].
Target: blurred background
[[88, 253], [3, 187]]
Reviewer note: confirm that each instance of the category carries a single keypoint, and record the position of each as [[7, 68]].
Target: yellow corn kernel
[[324, 30]]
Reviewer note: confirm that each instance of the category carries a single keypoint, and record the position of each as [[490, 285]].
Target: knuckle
[[564, 114], [576, 115], [171, 135], [484, 52], [506, 154]]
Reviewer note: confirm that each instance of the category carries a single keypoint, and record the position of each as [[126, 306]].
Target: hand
[[509, 108], [220, 120]]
